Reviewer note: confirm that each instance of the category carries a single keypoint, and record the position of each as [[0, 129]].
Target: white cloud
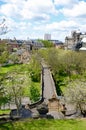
[[9, 22], [60, 35], [59, 30], [24, 26], [28, 9], [35, 8], [33, 18], [9, 10], [12, 1], [58, 26], [63, 25], [77, 10], [65, 2]]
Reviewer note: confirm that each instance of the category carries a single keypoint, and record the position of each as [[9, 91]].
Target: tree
[[47, 43], [3, 27], [14, 58], [14, 86], [34, 93], [35, 69], [75, 93], [4, 97], [3, 46], [35, 75], [4, 54], [73, 62], [65, 65]]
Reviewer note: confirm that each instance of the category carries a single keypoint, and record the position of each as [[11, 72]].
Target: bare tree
[[3, 27]]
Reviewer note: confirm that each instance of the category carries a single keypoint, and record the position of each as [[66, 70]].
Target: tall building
[[47, 36]]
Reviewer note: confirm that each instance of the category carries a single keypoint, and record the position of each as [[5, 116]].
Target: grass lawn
[[24, 70], [4, 111], [44, 124], [8, 68]]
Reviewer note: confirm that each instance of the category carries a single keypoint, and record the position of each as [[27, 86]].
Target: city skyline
[[34, 18]]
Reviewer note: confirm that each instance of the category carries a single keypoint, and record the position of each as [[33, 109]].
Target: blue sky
[[33, 18]]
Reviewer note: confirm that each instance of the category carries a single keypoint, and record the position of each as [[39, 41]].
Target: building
[[83, 48], [47, 37], [72, 41], [32, 44], [57, 43]]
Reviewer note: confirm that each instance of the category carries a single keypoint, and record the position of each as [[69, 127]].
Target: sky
[[31, 19]]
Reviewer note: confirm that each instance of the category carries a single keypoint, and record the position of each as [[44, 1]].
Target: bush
[[34, 93]]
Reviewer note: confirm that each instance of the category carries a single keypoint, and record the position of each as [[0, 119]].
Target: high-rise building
[[47, 36]]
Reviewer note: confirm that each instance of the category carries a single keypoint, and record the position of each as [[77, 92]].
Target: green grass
[[6, 69], [43, 124], [24, 70], [4, 111]]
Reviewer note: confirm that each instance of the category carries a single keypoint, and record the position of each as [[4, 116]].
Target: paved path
[[49, 86]]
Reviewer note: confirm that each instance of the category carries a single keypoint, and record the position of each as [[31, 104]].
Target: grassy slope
[[6, 69], [25, 71], [28, 82], [7, 111], [43, 124]]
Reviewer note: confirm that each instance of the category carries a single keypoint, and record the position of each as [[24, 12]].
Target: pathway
[[49, 86]]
